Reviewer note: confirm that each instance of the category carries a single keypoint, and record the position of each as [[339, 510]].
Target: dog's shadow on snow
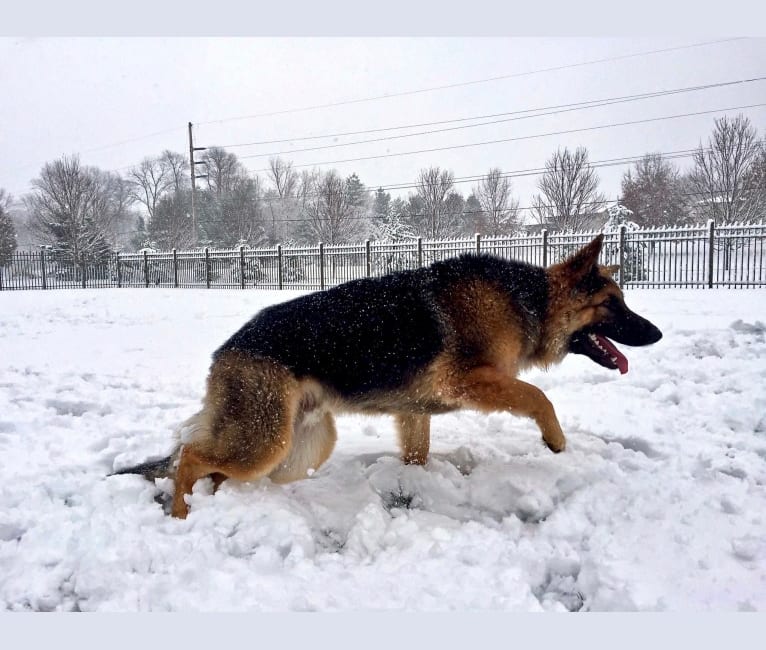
[[454, 484], [462, 487]]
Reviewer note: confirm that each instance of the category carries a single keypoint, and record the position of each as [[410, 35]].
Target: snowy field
[[659, 502]]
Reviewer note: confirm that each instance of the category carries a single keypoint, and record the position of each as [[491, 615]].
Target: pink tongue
[[622, 362]]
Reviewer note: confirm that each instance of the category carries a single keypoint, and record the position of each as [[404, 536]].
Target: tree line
[[85, 212]]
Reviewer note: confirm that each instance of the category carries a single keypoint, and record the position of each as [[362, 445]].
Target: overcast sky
[[107, 99]]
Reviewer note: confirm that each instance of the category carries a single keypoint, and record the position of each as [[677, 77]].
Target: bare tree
[[283, 204], [500, 210], [243, 213], [306, 185], [177, 168], [148, 182], [283, 176], [441, 211], [331, 215], [654, 192], [235, 216], [74, 208], [569, 193], [719, 179], [223, 169], [114, 198]]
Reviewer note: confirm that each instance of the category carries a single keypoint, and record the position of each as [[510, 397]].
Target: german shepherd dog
[[412, 344]]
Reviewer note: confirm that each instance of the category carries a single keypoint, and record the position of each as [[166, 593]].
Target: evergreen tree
[[475, 217], [140, 238], [356, 192], [634, 252], [171, 226], [7, 231], [381, 206], [393, 226]]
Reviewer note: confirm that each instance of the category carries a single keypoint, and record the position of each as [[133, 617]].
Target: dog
[[453, 335]]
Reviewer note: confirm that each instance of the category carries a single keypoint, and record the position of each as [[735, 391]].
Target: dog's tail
[[195, 427], [151, 469]]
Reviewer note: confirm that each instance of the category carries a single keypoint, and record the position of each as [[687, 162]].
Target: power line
[[129, 140], [608, 162], [522, 137], [401, 94], [115, 144], [520, 173], [593, 103], [515, 174], [416, 214], [560, 108], [469, 83]]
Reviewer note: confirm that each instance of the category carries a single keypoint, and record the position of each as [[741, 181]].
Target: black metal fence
[[698, 256]]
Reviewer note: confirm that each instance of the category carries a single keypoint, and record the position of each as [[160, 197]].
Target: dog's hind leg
[[313, 440], [414, 437], [488, 389], [245, 428]]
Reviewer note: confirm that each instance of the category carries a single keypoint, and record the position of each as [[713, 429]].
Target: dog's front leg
[[488, 389], [414, 437]]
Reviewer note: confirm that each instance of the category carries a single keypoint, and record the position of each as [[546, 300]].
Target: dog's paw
[[556, 446]]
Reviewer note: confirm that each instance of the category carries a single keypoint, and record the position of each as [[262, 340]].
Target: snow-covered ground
[[658, 503]]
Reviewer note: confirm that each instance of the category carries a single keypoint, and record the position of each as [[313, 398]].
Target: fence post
[[84, 279], [367, 257], [545, 246], [280, 277], [146, 269], [321, 265], [175, 269], [621, 250], [242, 267], [42, 263], [478, 243], [420, 252], [119, 272], [207, 267], [711, 244]]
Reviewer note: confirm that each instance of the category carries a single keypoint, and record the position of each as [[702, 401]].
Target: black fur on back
[[377, 333]]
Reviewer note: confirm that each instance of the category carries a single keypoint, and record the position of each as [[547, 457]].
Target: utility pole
[[194, 177]]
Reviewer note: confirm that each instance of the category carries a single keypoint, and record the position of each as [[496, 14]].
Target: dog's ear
[[611, 269], [581, 263]]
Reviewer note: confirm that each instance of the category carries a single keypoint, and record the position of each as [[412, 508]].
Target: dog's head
[[589, 309]]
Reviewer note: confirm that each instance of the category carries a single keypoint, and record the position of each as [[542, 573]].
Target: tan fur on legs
[[190, 468], [488, 389], [245, 428], [414, 437]]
